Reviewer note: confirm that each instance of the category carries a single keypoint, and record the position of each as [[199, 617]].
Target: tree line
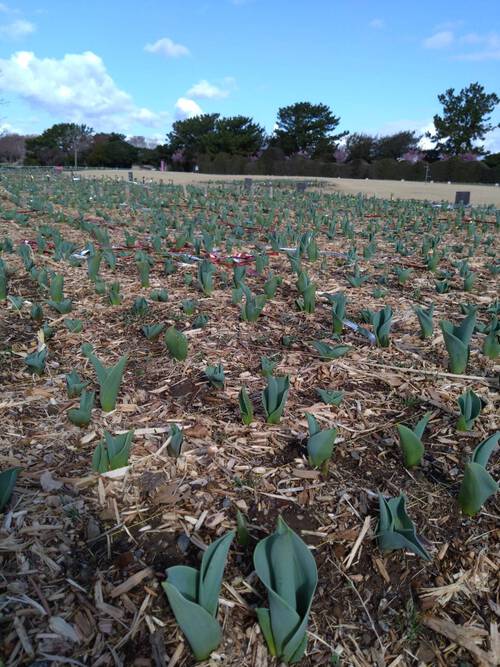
[[304, 133]]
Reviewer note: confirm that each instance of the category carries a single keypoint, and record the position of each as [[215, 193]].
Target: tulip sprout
[[287, 569], [274, 398], [194, 597], [470, 406], [410, 441], [395, 529], [457, 341], [478, 485]]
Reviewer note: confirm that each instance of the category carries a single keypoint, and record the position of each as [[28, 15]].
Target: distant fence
[[453, 170]]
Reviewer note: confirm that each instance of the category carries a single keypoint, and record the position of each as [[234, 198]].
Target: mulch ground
[[82, 556]]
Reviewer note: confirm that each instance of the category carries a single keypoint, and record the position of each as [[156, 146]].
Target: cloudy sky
[[135, 66]]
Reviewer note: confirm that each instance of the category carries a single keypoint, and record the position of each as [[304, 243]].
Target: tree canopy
[[192, 136], [111, 150], [237, 135], [464, 120], [59, 144], [307, 129], [396, 145], [211, 134], [360, 146]]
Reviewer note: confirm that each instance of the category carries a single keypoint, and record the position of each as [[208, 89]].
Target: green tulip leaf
[[274, 398], [395, 528], [8, 480], [194, 597], [287, 569], [177, 344]]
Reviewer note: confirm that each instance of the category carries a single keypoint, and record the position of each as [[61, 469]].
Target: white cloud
[[167, 47], [472, 46], [448, 25], [186, 108], [17, 29], [207, 91], [492, 141], [439, 40], [76, 88], [419, 126], [377, 24], [486, 47], [7, 128]]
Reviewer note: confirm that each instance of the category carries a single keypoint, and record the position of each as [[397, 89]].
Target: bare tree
[[138, 142], [142, 142], [12, 147]]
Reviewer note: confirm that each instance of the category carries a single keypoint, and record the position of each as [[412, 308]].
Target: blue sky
[[137, 65]]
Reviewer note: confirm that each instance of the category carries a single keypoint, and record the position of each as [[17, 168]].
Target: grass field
[[271, 354], [480, 194]]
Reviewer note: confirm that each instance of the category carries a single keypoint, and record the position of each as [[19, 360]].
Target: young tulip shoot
[[74, 384], [253, 306], [382, 322], [62, 307], [307, 304], [175, 441], [82, 415], [470, 407], [177, 344], [36, 360], [143, 267], [8, 480], [206, 272], [274, 398], [395, 528], [188, 306], [267, 366], [478, 485], [215, 376], [338, 302], [3, 281], [287, 569], [194, 597], [74, 326], [176, 438], [93, 265], [271, 285], [457, 341], [114, 295], [152, 331], [330, 397], [425, 320], [246, 406], [402, 275], [109, 380], [410, 442], [140, 307], [113, 452], [200, 321], [491, 345], [56, 289], [160, 295], [329, 352], [36, 312], [320, 443], [242, 534]]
